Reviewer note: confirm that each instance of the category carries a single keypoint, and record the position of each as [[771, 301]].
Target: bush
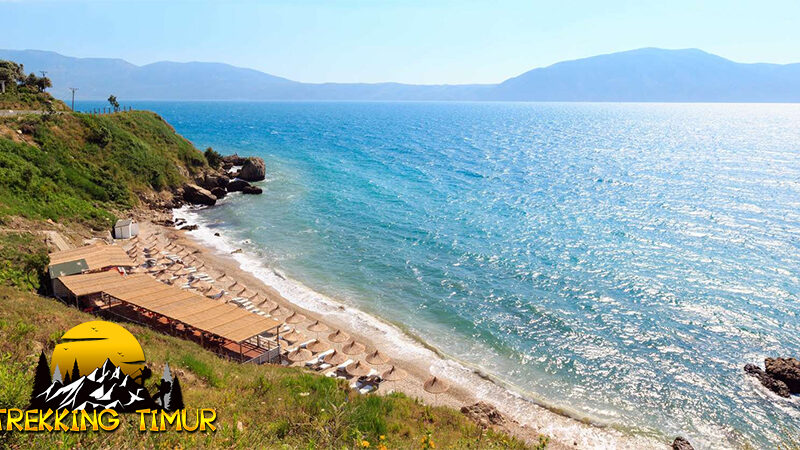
[[213, 157], [23, 261]]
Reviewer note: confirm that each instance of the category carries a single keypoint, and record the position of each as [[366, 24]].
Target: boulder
[[219, 192], [774, 385], [786, 370], [237, 185], [253, 169], [484, 414], [681, 444], [234, 160], [194, 194], [253, 190], [188, 227], [210, 181], [222, 181]]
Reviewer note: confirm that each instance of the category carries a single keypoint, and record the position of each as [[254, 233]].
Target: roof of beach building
[[97, 256], [141, 290]]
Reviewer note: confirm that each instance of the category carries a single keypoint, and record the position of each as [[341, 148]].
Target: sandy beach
[[523, 418]]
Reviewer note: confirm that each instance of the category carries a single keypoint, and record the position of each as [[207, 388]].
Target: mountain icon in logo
[[106, 387]]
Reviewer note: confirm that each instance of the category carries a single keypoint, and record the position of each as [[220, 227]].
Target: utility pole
[[44, 74], [73, 97]]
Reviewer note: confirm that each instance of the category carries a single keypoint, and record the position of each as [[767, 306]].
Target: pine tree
[[67, 379], [41, 381], [76, 372], [175, 396]]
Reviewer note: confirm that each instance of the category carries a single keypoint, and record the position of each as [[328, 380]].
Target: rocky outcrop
[[219, 192], [774, 385], [196, 195], [484, 414], [210, 181], [253, 169], [681, 444], [237, 185], [252, 190], [233, 160], [786, 370]]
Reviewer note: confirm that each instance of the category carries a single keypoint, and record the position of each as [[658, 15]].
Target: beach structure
[[100, 283], [88, 259], [126, 229]]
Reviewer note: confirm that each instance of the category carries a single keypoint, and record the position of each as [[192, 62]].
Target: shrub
[[213, 157]]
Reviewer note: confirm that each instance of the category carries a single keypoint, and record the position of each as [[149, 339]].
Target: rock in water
[[774, 385], [194, 194], [237, 185], [253, 169], [786, 370], [681, 444], [234, 160], [250, 189], [219, 192]]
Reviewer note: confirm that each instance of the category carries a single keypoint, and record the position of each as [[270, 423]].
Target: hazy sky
[[414, 41]]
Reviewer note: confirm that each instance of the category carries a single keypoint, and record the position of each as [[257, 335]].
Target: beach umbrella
[[357, 369], [300, 354], [353, 348], [338, 336], [317, 346], [435, 386], [277, 311], [202, 286], [394, 374], [163, 276], [317, 327], [292, 336], [267, 305], [176, 267], [335, 358], [240, 292], [295, 318], [377, 358], [252, 298]]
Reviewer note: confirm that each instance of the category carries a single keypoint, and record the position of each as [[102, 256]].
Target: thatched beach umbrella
[[277, 311], [266, 305], [300, 354], [317, 346], [377, 358], [292, 336], [357, 369], [317, 327], [202, 286], [295, 318], [335, 358], [394, 374], [435, 386], [353, 348], [240, 292], [338, 336]]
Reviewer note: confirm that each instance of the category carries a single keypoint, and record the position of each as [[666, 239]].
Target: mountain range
[[642, 75], [106, 387]]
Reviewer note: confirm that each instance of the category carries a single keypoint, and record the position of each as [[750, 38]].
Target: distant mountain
[[105, 388], [644, 75]]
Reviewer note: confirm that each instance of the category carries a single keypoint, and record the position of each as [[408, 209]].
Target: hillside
[[643, 75], [257, 406]]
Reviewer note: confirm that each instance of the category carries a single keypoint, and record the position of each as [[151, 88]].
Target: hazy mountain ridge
[[645, 75]]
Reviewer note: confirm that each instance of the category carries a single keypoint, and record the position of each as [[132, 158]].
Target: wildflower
[[382, 437], [382, 447], [365, 444]]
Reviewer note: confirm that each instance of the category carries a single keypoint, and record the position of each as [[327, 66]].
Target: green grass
[[82, 168], [278, 407], [23, 260]]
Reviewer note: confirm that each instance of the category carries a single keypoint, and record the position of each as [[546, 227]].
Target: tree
[[67, 379], [112, 100], [175, 397], [76, 372], [43, 83], [41, 381]]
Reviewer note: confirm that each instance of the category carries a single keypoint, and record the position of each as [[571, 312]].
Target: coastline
[[525, 418]]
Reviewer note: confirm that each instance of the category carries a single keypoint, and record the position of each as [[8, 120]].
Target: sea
[[617, 262]]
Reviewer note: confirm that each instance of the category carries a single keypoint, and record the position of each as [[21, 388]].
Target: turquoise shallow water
[[622, 260]]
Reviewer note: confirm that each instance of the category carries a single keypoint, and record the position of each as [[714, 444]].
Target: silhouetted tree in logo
[[76, 372], [41, 381], [175, 397]]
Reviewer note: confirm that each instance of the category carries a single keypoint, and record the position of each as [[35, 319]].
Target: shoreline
[[525, 418]]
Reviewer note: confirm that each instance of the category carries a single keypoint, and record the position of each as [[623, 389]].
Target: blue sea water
[[623, 261]]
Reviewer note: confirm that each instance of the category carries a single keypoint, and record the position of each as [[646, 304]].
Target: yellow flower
[[431, 444], [382, 437], [365, 444], [382, 447]]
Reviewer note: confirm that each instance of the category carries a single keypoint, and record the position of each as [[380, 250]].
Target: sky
[[412, 41]]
